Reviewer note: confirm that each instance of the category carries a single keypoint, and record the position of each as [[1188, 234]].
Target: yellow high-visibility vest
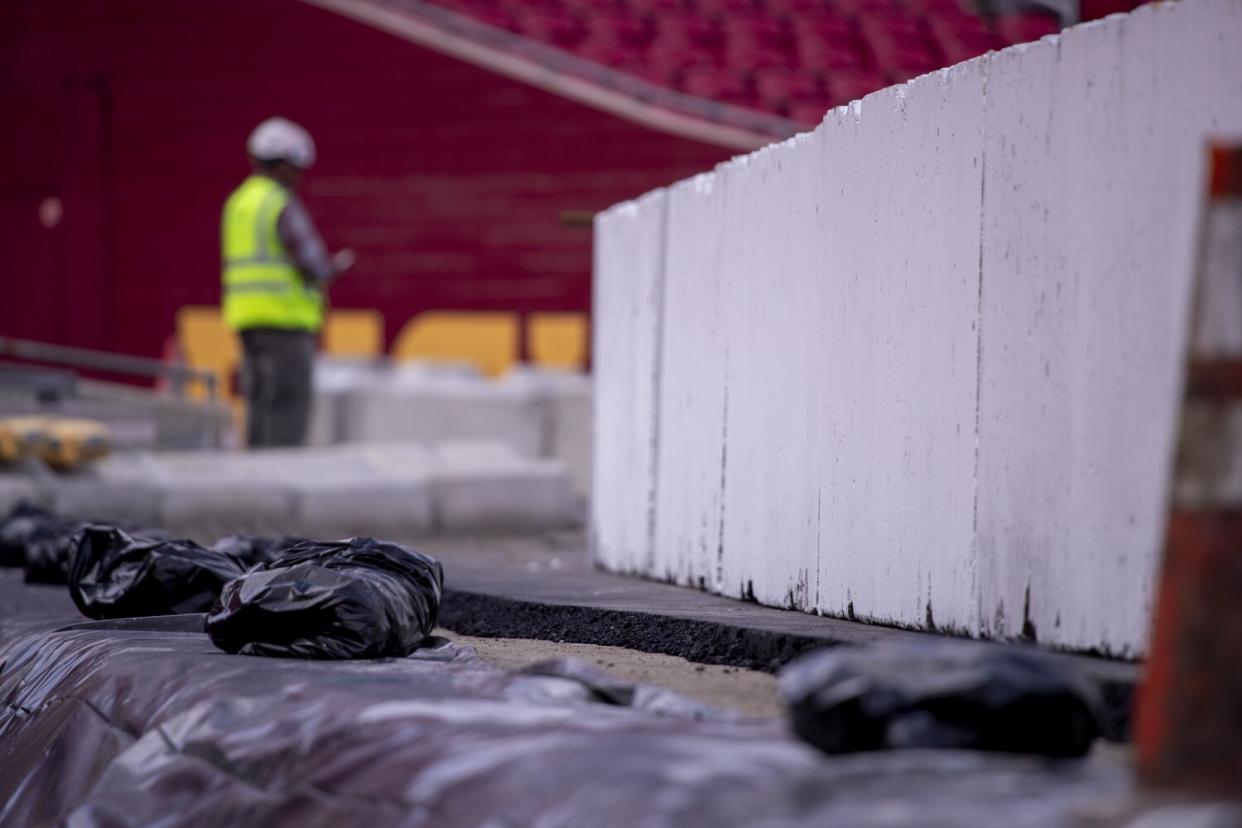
[[262, 286]]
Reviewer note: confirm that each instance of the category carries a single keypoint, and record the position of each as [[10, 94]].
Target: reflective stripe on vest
[[262, 286]]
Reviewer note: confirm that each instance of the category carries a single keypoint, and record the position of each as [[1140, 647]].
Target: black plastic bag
[[356, 598], [26, 524], [114, 575], [941, 694], [249, 550], [49, 557]]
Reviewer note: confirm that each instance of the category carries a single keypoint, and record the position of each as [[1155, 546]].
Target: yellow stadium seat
[[207, 344], [488, 339], [354, 332], [557, 340]]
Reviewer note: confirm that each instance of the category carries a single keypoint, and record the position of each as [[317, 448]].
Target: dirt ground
[[746, 691]]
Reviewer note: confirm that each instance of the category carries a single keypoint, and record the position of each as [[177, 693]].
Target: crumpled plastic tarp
[[941, 693], [116, 575], [356, 598], [141, 723]]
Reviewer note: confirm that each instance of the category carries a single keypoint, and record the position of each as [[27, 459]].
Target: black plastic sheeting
[[356, 598], [49, 556], [28, 525], [43, 543], [251, 550], [141, 722], [116, 575], [941, 693]]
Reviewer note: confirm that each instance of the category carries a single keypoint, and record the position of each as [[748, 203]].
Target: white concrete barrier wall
[[920, 365], [629, 268]]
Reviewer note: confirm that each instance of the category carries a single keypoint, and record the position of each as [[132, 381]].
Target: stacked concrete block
[[568, 425], [335, 378], [921, 365], [431, 408], [773, 309], [692, 466], [388, 490], [629, 287], [487, 487], [16, 488], [86, 497], [213, 506], [894, 366], [1095, 162], [379, 490]]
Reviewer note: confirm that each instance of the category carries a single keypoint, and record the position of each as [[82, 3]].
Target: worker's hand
[[343, 260]]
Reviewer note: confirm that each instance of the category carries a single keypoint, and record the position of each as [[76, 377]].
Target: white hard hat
[[278, 139]]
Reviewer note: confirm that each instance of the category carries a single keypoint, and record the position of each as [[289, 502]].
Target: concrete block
[[15, 488], [206, 507], [205, 494], [920, 365], [772, 318], [628, 295], [568, 402], [895, 362], [431, 409], [1095, 151], [332, 380], [571, 409], [487, 487], [691, 463], [88, 497], [387, 494]]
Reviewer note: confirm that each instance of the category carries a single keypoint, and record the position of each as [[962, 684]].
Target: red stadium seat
[[1028, 26], [963, 39], [776, 88], [1092, 9], [849, 87], [556, 28], [796, 58]]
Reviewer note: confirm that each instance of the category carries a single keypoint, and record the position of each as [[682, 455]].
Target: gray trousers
[[276, 380]]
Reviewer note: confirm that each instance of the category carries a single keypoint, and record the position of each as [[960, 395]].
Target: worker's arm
[[298, 234]]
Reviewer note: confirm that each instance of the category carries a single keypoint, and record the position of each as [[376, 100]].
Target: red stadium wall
[[447, 179]]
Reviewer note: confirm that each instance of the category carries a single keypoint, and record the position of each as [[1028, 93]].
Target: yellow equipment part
[[20, 437], [71, 443]]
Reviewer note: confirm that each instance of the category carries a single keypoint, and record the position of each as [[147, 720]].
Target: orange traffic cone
[[1189, 718]]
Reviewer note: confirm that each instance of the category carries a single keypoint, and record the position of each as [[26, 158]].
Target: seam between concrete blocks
[[976, 587], [656, 374]]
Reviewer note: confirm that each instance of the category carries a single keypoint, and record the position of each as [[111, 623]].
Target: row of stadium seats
[[794, 58]]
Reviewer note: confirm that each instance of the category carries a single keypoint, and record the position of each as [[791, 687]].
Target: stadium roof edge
[[563, 74]]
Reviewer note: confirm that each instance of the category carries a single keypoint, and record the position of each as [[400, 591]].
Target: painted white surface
[[1094, 184], [769, 493], [898, 395], [692, 383], [923, 361], [628, 281]]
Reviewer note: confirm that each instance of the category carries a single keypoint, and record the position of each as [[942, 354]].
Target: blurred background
[[451, 178], [464, 147]]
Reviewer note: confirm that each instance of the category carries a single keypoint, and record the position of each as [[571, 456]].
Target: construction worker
[[275, 272]]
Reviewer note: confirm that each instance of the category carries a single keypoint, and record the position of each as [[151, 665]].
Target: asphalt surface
[[544, 587]]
